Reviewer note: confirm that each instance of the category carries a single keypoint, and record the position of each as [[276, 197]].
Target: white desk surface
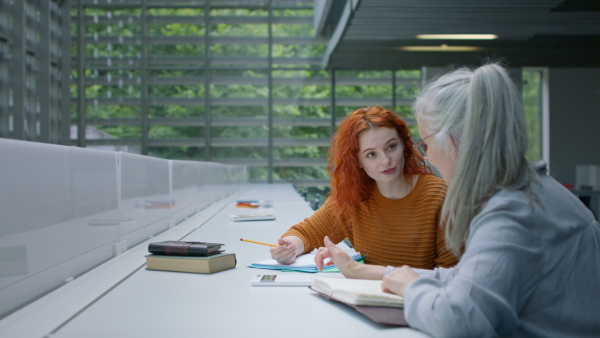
[[120, 298]]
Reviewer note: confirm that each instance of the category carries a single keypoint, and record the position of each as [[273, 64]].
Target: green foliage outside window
[[532, 101], [238, 87]]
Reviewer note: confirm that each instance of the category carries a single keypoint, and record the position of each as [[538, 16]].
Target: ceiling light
[[457, 36], [442, 48]]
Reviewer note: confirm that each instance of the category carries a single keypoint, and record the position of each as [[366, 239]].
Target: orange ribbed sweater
[[393, 232]]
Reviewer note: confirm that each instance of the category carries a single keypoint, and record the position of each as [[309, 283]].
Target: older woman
[[531, 264]]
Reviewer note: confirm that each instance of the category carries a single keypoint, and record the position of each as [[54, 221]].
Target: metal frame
[[18, 68], [81, 101], [207, 82], [5, 125], [144, 79], [35, 68]]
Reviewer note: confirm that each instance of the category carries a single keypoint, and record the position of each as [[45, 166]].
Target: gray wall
[[574, 120]]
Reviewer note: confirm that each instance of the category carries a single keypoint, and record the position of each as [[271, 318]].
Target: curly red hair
[[350, 185]]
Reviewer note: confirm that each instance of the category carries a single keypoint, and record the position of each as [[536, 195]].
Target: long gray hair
[[481, 111]]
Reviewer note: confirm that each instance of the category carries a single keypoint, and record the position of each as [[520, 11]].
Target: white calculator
[[282, 280]]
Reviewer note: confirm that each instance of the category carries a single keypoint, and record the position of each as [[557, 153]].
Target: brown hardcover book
[[195, 264]]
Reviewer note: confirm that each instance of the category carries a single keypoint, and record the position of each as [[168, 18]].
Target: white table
[[122, 299]]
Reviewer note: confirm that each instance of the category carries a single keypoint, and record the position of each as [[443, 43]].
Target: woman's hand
[[285, 252], [338, 257], [397, 280]]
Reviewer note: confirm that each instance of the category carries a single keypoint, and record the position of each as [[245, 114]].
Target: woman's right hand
[[397, 280], [347, 266], [284, 252]]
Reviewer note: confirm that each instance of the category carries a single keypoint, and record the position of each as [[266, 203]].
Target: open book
[[365, 296], [356, 291]]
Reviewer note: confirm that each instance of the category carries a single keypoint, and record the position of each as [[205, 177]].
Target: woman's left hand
[[397, 280]]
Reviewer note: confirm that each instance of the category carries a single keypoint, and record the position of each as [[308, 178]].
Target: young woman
[[531, 263], [383, 199]]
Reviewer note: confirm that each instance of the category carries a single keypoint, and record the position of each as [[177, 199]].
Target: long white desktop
[[120, 298]]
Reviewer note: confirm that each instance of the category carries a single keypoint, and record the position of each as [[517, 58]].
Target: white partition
[[59, 216], [145, 197], [65, 210], [214, 179], [185, 182]]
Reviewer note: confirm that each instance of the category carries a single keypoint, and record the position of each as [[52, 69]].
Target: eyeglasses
[[421, 146]]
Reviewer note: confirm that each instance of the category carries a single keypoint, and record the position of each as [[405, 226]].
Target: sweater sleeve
[[313, 229]]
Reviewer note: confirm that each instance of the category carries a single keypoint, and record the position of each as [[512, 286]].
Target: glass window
[[217, 90], [534, 84]]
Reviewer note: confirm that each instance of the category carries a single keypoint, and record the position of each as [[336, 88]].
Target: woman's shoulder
[[431, 183], [432, 179], [558, 214]]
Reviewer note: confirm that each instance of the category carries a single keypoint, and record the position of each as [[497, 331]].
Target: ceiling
[[531, 33]]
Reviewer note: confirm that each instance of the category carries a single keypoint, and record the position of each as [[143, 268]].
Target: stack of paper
[[254, 204], [303, 263], [246, 218]]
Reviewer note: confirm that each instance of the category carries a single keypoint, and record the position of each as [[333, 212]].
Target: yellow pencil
[[247, 240]]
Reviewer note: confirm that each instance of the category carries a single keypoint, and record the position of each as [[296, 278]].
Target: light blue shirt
[[525, 272]]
